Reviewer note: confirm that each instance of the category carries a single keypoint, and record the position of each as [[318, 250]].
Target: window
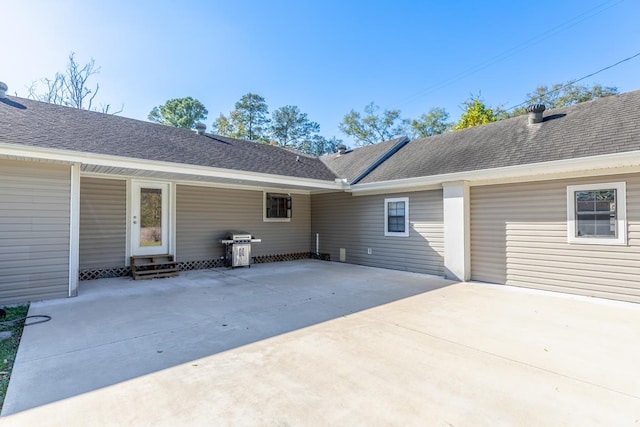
[[396, 217], [277, 207], [596, 214]]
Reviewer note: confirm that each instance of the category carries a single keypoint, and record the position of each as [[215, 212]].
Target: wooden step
[[156, 276], [155, 271], [152, 258], [152, 266]]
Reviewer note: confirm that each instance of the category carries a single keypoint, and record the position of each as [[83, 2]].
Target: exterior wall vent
[[535, 113], [201, 128], [3, 89]]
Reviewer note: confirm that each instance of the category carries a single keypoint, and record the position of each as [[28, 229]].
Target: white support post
[[457, 230], [74, 230]]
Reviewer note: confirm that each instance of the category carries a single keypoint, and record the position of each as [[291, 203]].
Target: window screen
[[278, 206], [596, 213], [396, 217]]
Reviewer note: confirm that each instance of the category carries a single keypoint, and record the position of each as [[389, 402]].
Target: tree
[[223, 126], [476, 113], [290, 127], [562, 95], [179, 112], [72, 87], [372, 128], [432, 123], [318, 145], [249, 120], [251, 117]]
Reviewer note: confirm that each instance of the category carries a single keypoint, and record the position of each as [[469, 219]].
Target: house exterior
[[553, 204], [73, 185], [504, 207]]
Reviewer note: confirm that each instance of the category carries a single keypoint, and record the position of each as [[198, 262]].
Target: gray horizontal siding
[[204, 216], [519, 237], [34, 231], [356, 223], [103, 234]]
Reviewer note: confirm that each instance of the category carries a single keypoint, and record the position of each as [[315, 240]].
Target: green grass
[[9, 347]]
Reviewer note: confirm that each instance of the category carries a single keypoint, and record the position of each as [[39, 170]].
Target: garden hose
[[43, 318]]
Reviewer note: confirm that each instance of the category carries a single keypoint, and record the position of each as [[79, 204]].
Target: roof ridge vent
[[3, 89], [535, 113], [200, 128]]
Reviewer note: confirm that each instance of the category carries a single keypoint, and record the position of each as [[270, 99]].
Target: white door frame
[[166, 218]]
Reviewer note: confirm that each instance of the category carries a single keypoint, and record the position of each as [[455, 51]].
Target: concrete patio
[[318, 343]]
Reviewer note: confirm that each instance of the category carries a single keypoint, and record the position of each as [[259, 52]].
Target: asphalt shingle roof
[[604, 126], [354, 162], [39, 124]]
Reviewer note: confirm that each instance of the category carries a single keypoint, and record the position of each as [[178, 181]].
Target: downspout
[[381, 160]]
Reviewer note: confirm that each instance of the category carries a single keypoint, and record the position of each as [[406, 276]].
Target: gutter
[[381, 160]]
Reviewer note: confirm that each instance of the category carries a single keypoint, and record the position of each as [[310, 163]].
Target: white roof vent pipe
[[535, 113], [201, 128], [3, 89]]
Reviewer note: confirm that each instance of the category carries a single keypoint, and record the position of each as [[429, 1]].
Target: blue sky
[[327, 57]]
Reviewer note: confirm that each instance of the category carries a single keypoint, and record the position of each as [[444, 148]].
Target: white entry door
[[149, 218]]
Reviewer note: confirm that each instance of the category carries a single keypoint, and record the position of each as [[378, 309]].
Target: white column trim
[[74, 229], [457, 230], [127, 249], [172, 220]]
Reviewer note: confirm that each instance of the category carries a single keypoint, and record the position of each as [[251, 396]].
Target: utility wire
[[590, 13], [577, 80]]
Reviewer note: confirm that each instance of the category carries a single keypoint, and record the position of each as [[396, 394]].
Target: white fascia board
[[159, 166], [604, 164]]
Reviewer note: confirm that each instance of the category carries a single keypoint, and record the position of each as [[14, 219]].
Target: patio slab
[[316, 343]]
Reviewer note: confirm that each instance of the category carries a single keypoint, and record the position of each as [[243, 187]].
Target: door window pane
[[150, 217]]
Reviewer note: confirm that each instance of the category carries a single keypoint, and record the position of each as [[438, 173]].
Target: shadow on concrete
[[120, 329]]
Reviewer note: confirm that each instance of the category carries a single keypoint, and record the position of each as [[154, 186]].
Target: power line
[[577, 80], [590, 13]]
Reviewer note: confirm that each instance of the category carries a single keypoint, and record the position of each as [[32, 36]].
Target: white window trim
[[405, 233], [621, 214], [264, 208]]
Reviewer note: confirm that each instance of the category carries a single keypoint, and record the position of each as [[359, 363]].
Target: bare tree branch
[[105, 109], [71, 88]]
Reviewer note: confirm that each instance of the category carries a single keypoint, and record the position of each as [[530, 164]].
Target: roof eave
[[595, 165], [69, 156]]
